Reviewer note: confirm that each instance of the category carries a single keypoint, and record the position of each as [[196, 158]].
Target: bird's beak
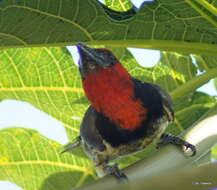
[[85, 51], [89, 56]]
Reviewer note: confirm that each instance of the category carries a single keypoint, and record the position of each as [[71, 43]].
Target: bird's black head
[[92, 59]]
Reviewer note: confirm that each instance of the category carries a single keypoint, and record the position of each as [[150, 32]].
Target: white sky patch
[[74, 52], [6, 185], [22, 114], [145, 57], [208, 88], [138, 3]]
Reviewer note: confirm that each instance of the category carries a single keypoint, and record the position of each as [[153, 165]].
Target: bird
[[125, 114]]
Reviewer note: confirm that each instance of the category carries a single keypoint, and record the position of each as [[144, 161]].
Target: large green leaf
[[48, 79], [33, 162], [178, 25]]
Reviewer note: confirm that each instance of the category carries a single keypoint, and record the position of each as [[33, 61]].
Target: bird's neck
[[111, 92]]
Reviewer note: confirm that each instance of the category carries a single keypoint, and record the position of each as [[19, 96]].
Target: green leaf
[[119, 5], [214, 152], [189, 109], [186, 26], [206, 62], [33, 162], [48, 79], [215, 83]]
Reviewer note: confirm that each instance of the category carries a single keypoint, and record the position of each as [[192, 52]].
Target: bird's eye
[[92, 66]]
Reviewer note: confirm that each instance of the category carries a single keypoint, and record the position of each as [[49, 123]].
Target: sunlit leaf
[[214, 152], [34, 162], [119, 5], [48, 79]]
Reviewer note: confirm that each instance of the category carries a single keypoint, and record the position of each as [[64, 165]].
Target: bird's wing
[[166, 103], [154, 98], [89, 132]]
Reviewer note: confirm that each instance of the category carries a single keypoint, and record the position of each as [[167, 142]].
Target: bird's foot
[[114, 170], [72, 145], [170, 139]]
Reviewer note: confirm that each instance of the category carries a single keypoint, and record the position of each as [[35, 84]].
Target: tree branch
[[169, 158], [203, 177]]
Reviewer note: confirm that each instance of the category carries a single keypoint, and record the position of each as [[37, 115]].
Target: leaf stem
[[200, 9], [164, 45], [194, 83]]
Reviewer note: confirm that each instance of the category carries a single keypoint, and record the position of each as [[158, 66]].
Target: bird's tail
[[72, 145]]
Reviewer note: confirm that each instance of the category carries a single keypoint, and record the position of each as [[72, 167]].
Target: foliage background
[[48, 79]]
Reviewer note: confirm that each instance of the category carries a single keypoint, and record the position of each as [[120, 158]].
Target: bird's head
[[94, 60], [101, 71], [102, 74]]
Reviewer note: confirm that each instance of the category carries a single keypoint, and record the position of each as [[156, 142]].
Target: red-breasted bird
[[125, 114]]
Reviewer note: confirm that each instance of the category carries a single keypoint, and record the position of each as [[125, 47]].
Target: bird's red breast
[[111, 92]]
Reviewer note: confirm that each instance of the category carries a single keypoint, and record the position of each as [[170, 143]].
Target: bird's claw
[[192, 147], [170, 139], [114, 170]]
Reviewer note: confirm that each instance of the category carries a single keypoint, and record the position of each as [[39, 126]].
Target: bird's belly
[[112, 153]]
